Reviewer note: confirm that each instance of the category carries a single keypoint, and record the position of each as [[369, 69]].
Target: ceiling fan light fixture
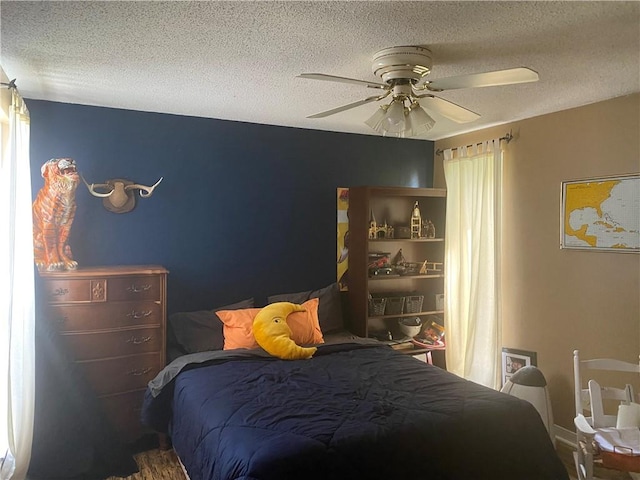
[[394, 121], [389, 120], [419, 120], [375, 121]]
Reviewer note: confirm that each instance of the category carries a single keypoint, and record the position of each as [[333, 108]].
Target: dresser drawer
[[62, 290], [82, 317], [116, 343], [123, 412], [142, 287], [122, 374], [130, 288]]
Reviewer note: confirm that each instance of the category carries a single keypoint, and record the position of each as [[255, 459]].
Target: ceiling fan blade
[[348, 106], [448, 109], [333, 78], [487, 79]]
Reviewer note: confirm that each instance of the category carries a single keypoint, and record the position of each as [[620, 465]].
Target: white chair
[[594, 426]]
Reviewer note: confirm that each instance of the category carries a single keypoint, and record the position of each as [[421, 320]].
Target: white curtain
[[17, 298], [472, 261]]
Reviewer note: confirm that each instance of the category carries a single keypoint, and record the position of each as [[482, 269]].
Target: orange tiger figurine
[[53, 212]]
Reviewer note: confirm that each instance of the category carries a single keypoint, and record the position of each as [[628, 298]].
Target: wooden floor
[[163, 465]]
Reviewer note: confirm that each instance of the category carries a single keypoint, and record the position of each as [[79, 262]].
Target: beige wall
[[555, 301]]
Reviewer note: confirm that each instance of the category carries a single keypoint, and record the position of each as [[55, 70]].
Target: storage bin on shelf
[[413, 303], [377, 306], [394, 306]]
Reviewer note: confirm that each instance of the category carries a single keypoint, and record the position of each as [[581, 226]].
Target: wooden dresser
[[113, 321]]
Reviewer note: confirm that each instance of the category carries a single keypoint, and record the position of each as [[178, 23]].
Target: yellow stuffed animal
[[274, 335]]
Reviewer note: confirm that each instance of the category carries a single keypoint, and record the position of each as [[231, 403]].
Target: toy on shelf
[[379, 264], [431, 268], [416, 221], [398, 259], [382, 231], [430, 230]]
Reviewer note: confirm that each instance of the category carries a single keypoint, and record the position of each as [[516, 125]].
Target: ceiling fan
[[404, 71]]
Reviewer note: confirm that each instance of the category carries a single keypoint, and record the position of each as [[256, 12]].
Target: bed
[[356, 410]]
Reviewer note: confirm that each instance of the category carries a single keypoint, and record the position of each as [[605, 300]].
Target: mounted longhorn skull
[[120, 194]]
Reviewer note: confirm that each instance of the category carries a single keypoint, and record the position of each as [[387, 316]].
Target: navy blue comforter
[[351, 412]]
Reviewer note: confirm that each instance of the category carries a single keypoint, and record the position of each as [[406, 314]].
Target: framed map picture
[[601, 214]]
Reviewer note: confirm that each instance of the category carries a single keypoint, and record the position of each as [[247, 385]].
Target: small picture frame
[[513, 360]]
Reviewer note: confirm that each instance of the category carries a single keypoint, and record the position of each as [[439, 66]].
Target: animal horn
[[98, 185], [144, 190]]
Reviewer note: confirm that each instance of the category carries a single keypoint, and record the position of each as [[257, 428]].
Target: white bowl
[[410, 330]]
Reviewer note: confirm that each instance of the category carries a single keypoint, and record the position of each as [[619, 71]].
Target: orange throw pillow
[[305, 327]]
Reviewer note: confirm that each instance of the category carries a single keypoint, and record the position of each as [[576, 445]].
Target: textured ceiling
[[238, 60]]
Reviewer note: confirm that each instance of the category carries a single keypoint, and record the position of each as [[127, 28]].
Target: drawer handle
[[139, 341], [136, 315], [138, 289], [138, 373], [59, 292]]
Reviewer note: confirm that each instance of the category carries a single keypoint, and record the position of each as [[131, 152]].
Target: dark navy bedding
[[353, 411]]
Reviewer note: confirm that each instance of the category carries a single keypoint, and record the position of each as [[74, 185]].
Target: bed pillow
[[305, 328], [329, 310], [273, 333], [200, 331]]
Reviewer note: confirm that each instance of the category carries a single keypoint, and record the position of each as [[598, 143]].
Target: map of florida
[[602, 214]]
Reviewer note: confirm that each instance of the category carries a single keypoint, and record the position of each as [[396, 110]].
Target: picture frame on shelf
[[514, 359]]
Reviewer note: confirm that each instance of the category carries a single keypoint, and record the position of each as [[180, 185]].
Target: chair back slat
[[584, 397]]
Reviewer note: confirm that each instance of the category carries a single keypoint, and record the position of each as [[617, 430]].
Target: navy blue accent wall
[[243, 210]]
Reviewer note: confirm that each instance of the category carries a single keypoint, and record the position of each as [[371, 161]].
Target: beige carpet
[[163, 465]]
